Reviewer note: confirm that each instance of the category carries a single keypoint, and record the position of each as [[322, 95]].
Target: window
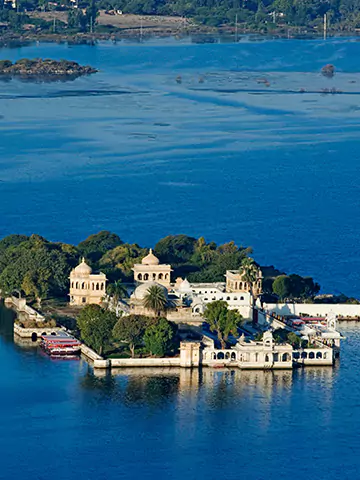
[[83, 299]]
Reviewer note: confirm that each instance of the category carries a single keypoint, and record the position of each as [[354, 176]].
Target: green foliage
[[116, 290], [294, 286], [96, 245], [222, 320], [284, 336], [35, 265], [131, 329], [160, 337], [155, 300], [282, 286], [120, 260], [175, 249], [96, 326]]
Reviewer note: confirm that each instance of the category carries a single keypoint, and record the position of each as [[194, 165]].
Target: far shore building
[[86, 287], [150, 270]]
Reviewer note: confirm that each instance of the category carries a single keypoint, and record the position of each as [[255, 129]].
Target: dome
[[150, 259], [83, 268], [185, 286], [142, 290]]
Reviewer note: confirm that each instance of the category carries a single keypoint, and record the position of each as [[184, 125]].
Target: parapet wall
[[313, 309]]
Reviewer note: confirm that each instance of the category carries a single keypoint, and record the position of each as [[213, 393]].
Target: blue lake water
[[58, 420], [131, 150]]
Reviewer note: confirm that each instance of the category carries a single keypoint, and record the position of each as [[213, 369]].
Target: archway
[[220, 356], [34, 336], [319, 355], [311, 355]]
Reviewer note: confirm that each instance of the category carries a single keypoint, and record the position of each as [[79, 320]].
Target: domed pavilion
[[151, 270], [86, 287]]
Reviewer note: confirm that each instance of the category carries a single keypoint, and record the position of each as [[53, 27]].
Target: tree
[[116, 290], [250, 272], [155, 300], [120, 260], [44, 264], [131, 329], [175, 249], [96, 245], [282, 286], [160, 337], [96, 325], [222, 320]]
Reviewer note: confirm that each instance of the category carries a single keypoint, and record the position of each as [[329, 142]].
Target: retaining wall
[[313, 309]]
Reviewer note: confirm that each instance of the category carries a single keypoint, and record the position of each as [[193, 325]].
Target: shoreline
[[199, 34]]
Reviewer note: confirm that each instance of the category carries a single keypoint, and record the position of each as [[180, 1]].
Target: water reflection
[[219, 388], [7, 317]]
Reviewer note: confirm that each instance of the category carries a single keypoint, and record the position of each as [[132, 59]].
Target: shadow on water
[[7, 317]]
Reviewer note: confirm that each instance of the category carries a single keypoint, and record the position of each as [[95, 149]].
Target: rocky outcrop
[[47, 69]]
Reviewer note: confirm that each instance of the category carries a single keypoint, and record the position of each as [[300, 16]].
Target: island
[[44, 69], [187, 303]]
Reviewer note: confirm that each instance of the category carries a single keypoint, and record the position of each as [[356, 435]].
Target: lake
[[231, 150], [59, 420], [219, 154]]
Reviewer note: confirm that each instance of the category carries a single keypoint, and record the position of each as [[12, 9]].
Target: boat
[[60, 345]]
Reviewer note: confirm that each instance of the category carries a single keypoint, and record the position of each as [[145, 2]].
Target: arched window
[[139, 276], [267, 359], [276, 357], [227, 355], [77, 285], [146, 276], [304, 355], [166, 276], [256, 357], [235, 298], [285, 357], [227, 298], [240, 286], [241, 298], [319, 355], [325, 356], [311, 355], [83, 286], [160, 276], [72, 284], [102, 287], [83, 299], [92, 286], [154, 276], [214, 356], [233, 356], [235, 285], [220, 356], [245, 285], [97, 286], [296, 355]]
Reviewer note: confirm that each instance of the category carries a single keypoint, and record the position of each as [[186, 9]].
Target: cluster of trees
[[256, 14], [100, 329], [41, 268], [222, 321], [294, 286]]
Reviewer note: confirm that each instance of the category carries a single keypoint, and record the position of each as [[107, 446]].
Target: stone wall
[[313, 309]]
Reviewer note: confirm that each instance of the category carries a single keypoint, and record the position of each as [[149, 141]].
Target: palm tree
[[116, 290], [250, 273], [155, 300]]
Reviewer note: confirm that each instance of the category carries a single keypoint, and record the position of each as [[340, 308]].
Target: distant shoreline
[[198, 34]]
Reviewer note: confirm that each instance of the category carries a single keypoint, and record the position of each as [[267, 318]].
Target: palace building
[[86, 287], [150, 270], [235, 282]]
